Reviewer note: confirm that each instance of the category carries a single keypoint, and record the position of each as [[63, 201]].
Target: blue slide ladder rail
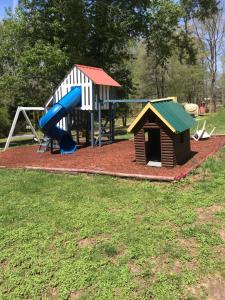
[[48, 122]]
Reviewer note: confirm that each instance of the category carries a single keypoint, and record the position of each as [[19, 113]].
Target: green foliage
[[43, 39], [186, 81], [147, 79], [123, 110], [4, 121], [41, 67], [199, 8], [109, 249], [163, 22], [30, 72], [143, 73]]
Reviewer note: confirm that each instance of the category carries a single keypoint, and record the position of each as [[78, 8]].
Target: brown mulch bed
[[117, 159]]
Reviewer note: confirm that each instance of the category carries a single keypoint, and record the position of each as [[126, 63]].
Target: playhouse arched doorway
[[153, 146]]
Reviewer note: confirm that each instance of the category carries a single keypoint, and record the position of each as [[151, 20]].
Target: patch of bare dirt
[[115, 210], [134, 268], [192, 265], [4, 265], [52, 293], [202, 175], [163, 263], [52, 245], [190, 245], [219, 250], [142, 284], [138, 279], [212, 288], [139, 218], [160, 263], [117, 291], [121, 252], [87, 242], [177, 267], [76, 295], [222, 234], [207, 214], [187, 186]]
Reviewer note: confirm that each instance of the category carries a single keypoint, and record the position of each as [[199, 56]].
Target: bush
[[4, 122]]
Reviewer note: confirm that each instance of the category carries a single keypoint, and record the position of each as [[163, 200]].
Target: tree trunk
[[162, 83], [212, 104], [157, 84]]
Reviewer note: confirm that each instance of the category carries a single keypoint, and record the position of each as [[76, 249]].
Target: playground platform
[[117, 159]]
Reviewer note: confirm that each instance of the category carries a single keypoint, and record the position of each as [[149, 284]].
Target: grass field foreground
[[96, 237]]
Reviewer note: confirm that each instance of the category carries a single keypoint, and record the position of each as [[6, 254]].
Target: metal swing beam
[[115, 101]]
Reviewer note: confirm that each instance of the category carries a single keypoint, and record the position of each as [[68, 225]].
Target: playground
[[162, 147]]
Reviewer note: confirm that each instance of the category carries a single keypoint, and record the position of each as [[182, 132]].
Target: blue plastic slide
[[48, 122]]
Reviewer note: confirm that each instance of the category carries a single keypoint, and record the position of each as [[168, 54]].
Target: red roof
[[98, 75]]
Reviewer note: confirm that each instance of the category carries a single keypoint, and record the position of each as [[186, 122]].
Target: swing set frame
[[12, 129]]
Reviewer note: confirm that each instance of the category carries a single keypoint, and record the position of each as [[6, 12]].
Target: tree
[[162, 37], [184, 80], [167, 32], [206, 17], [89, 32], [45, 38], [143, 72], [210, 33], [28, 73]]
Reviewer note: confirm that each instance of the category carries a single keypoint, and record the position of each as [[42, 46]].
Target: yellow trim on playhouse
[[149, 106]]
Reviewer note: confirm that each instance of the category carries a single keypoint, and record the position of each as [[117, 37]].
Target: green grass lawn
[[96, 237], [214, 120]]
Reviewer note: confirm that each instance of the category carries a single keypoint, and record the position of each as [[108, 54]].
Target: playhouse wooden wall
[[182, 146], [175, 148], [90, 92]]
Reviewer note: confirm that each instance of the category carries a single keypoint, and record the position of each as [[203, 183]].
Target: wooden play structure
[[98, 98], [162, 134], [161, 130], [96, 88]]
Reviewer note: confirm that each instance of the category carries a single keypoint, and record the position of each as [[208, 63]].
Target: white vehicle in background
[[192, 109]]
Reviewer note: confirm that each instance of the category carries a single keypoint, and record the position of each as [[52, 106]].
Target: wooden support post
[[113, 123], [92, 129], [78, 137], [110, 123], [12, 128], [88, 129], [99, 125], [68, 123]]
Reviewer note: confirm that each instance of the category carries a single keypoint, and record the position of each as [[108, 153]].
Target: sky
[[6, 3]]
